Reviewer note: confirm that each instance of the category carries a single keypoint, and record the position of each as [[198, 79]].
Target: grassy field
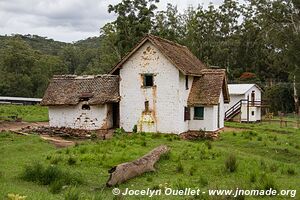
[[266, 156], [28, 113]]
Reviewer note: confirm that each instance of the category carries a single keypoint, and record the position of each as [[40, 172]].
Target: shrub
[[259, 138], [119, 131], [192, 170], [144, 143], [166, 156], [234, 133], [179, 168], [56, 186], [231, 163], [72, 194], [267, 182], [208, 144], [55, 160], [203, 181], [94, 135], [72, 160], [134, 129], [291, 171], [51, 175], [273, 167], [253, 177]]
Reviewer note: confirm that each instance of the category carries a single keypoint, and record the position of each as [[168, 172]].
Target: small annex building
[[245, 103], [159, 86], [83, 102]]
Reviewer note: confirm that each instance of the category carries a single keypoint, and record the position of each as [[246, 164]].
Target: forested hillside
[[256, 42]]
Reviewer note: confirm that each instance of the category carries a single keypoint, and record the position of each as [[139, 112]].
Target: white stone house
[[165, 88], [162, 87], [245, 103]]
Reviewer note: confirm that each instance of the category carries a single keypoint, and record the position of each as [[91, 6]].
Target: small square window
[[199, 113], [148, 80]]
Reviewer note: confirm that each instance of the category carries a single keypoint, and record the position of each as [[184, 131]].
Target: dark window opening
[[85, 107], [199, 113], [148, 80], [187, 114], [186, 82], [252, 113], [146, 106]]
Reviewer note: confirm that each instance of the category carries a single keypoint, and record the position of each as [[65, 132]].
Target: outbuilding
[[245, 103]]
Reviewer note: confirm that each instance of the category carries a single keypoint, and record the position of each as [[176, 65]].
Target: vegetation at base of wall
[[261, 163], [29, 113]]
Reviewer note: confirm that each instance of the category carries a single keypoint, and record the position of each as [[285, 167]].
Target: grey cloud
[[65, 20]]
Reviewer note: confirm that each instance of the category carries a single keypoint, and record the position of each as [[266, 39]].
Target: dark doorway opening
[[116, 115]]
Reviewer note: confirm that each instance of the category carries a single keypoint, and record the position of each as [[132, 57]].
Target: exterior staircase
[[234, 110]]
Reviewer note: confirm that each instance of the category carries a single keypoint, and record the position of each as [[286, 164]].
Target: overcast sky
[[66, 20]]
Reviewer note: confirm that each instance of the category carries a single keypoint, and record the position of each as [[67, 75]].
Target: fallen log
[[128, 170]]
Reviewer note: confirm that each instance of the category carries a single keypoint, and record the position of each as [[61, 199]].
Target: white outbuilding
[[245, 103]]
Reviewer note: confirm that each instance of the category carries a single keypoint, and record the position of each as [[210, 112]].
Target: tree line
[[257, 41]]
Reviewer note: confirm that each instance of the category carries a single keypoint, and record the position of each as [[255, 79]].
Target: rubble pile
[[65, 132], [199, 135]]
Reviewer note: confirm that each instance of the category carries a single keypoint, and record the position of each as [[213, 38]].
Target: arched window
[[85, 107]]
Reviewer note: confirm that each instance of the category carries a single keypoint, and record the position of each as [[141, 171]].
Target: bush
[[72, 194], [253, 177], [72, 160], [208, 144], [291, 171], [56, 186], [166, 156], [51, 175], [192, 170], [179, 168], [267, 182], [119, 131], [134, 129], [231, 163]]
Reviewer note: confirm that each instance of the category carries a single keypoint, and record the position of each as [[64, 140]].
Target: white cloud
[[66, 20]]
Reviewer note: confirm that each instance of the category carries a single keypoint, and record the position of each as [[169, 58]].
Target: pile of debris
[[65, 132], [199, 135]]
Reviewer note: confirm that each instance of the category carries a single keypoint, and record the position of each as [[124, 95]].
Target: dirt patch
[[58, 142], [14, 126]]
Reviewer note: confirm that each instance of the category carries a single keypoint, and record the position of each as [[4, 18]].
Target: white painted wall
[[209, 122], [98, 117], [163, 97], [210, 119], [167, 98]]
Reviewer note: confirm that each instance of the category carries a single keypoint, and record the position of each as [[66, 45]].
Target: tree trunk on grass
[[128, 170]]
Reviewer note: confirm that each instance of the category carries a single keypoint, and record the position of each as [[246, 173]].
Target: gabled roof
[[206, 89], [241, 88], [70, 90], [180, 56]]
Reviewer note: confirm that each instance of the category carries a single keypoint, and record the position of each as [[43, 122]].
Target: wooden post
[[248, 109]]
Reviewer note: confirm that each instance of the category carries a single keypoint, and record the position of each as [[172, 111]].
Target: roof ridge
[[72, 76], [166, 40]]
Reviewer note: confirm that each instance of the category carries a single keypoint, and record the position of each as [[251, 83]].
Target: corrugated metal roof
[[19, 99], [240, 88]]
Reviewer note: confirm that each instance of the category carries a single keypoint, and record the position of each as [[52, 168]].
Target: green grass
[[263, 159], [30, 113]]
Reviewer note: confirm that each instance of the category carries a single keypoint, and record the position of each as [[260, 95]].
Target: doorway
[[116, 115]]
